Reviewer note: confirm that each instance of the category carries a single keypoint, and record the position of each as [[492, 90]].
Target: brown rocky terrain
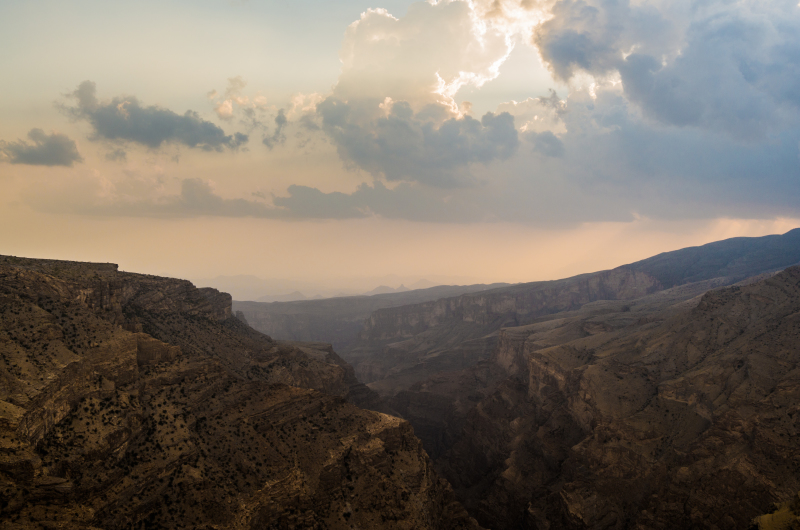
[[673, 410], [401, 346], [786, 516], [132, 401]]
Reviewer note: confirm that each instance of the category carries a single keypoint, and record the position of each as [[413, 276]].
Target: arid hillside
[[132, 401], [678, 409], [401, 346]]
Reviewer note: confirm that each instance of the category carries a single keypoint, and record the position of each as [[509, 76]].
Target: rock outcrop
[[135, 401]]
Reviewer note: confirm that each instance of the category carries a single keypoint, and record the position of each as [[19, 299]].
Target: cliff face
[[337, 320], [129, 400], [401, 346], [663, 412], [511, 304]]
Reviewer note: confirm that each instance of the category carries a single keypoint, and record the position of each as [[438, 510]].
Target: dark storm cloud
[[125, 119], [43, 150], [592, 35], [675, 172], [730, 67], [733, 74], [412, 147]]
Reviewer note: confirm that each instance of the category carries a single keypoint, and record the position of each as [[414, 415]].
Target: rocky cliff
[[135, 401], [668, 411], [404, 345], [337, 320]]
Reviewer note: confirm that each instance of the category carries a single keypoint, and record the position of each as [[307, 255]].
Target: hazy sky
[[485, 140]]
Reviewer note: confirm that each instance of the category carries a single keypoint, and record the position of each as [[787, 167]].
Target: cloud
[[53, 149], [233, 94], [140, 197], [730, 67], [424, 57], [673, 111], [125, 119], [542, 114], [277, 137], [117, 155], [403, 145], [405, 201], [546, 143]]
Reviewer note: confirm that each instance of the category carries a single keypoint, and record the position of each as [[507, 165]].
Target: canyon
[[659, 394], [339, 320]]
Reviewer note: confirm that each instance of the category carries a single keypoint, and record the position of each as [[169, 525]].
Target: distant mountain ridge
[[405, 344], [660, 394], [336, 320]]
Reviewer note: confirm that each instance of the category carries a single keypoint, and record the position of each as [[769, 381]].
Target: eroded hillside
[[136, 401], [668, 411], [401, 346]]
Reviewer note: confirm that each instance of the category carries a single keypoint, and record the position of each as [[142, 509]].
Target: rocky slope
[[337, 320], [786, 516], [668, 411], [401, 346], [136, 401]]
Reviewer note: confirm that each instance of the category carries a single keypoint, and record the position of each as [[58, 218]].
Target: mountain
[[400, 346], [381, 289], [672, 410], [130, 400], [291, 297], [384, 289], [336, 320]]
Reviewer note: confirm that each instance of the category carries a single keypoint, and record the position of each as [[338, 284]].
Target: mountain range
[[660, 394]]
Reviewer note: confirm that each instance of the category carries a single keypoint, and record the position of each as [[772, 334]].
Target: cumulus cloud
[[125, 119], [542, 114], [44, 149], [546, 143], [674, 110], [666, 100], [424, 57], [392, 112], [233, 94], [404, 145], [722, 66]]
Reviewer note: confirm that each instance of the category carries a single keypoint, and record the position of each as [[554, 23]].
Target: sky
[[351, 143]]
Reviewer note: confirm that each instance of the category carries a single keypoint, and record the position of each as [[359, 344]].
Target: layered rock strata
[[136, 401], [401, 346], [670, 411]]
